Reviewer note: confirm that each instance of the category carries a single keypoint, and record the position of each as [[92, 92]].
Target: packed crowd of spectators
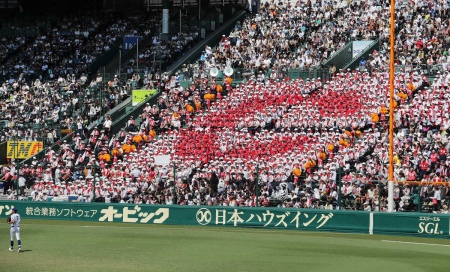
[[72, 45], [9, 45], [48, 79], [297, 166], [56, 52], [63, 93], [308, 143], [284, 35], [45, 108], [421, 34]]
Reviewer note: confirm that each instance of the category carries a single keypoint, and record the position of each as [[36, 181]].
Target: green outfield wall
[[435, 225]]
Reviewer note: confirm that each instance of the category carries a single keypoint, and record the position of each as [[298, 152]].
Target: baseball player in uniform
[[15, 229]]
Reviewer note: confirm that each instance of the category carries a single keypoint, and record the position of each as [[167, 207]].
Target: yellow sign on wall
[[22, 149], [138, 96]]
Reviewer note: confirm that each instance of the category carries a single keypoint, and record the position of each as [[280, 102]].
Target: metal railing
[[242, 75], [430, 71]]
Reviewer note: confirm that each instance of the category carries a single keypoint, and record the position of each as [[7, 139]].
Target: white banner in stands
[[359, 46], [162, 159]]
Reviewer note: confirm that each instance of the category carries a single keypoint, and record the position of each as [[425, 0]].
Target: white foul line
[[403, 242]]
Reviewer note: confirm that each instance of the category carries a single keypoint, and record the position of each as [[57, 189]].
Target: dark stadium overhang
[[36, 6]]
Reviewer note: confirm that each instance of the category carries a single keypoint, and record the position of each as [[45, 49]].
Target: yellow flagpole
[[391, 111]]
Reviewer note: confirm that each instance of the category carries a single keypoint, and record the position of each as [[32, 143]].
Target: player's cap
[[14, 209]]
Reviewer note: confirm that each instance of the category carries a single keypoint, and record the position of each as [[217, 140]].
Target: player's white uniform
[[15, 227]]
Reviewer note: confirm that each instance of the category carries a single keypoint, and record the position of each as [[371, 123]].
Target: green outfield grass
[[75, 246]]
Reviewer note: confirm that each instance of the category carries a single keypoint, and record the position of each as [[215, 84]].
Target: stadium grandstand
[[282, 104]]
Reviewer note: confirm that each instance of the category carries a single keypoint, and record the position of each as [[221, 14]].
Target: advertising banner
[[138, 96], [435, 225], [130, 41], [192, 215], [22, 149], [359, 46], [422, 224]]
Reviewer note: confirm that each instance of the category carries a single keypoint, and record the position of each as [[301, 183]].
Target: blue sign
[[130, 41]]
